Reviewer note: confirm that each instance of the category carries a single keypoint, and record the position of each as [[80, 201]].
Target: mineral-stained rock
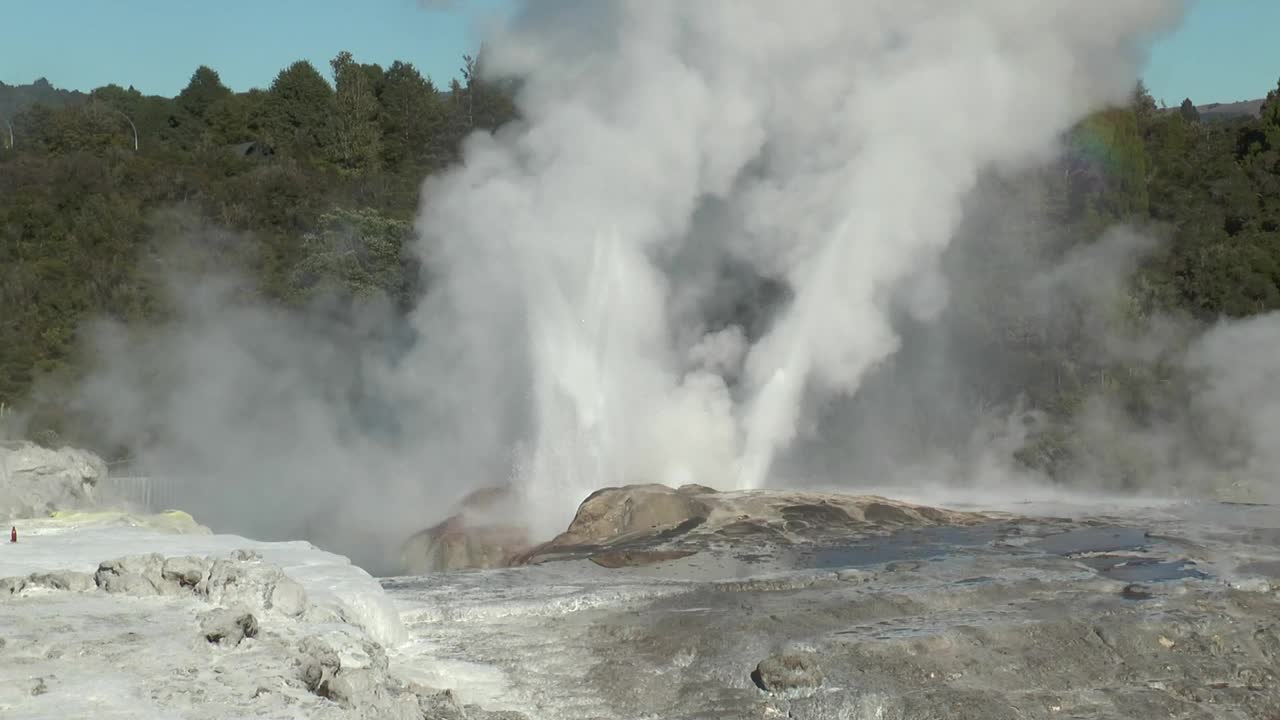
[[444, 705], [1257, 585], [793, 673], [319, 665], [238, 581], [457, 544], [1134, 591], [855, 575], [615, 514], [641, 524], [228, 626], [39, 480], [63, 580], [12, 586], [253, 584], [637, 558], [353, 672], [186, 571], [638, 524], [481, 535], [135, 575], [287, 597]]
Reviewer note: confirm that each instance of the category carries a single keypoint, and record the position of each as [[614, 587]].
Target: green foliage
[[357, 254], [304, 190], [301, 105], [1114, 156], [16, 99], [357, 138], [1271, 118], [307, 191], [1214, 188], [487, 102], [414, 121], [202, 93], [1188, 111]]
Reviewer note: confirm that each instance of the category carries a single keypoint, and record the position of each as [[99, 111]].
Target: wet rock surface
[[480, 535], [1133, 611], [643, 524], [226, 626], [797, 673], [640, 525], [232, 636]]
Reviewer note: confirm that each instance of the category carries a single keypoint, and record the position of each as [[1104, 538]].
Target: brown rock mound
[[479, 536], [615, 515], [648, 524]]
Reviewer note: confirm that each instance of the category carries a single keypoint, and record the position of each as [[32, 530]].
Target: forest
[[96, 190], [310, 188]]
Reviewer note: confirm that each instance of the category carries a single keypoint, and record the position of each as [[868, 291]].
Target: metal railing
[[143, 492]]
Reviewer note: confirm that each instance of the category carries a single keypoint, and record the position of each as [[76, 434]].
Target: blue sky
[[156, 44], [1226, 50]]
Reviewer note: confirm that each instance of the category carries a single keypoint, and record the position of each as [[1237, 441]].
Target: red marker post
[[13, 534]]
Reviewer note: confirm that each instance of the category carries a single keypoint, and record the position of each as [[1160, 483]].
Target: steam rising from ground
[[674, 158], [829, 145]]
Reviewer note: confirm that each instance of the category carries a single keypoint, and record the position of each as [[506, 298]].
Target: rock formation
[[36, 481], [791, 673], [309, 651], [480, 535], [228, 626], [646, 524]]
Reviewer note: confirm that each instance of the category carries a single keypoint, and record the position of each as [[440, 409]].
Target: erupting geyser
[[827, 143], [584, 323]]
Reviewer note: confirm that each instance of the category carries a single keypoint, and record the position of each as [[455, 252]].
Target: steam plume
[[828, 145], [672, 159]]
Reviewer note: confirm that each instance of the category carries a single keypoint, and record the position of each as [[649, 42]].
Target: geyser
[[826, 143], [585, 322]]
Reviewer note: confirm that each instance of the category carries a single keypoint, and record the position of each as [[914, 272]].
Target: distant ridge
[[16, 98], [1225, 111], [1234, 109]]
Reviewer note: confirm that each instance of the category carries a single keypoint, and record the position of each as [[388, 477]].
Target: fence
[[144, 492], [6, 415]]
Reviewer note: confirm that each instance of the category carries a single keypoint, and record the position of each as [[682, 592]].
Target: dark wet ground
[[1092, 540], [921, 544], [1265, 568], [1143, 569], [1094, 547], [1109, 618]]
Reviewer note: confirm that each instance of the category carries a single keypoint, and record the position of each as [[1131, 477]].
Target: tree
[[357, 138], [1271, 118], [237, 118], [302, 103], [357, 254], [412, 119], [1188, 111], [1142, 104], [203, 91], [487, 104], [93, 128]]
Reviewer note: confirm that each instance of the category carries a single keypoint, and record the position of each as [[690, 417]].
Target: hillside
[[15, 99], [1241, 108], [306, 194]]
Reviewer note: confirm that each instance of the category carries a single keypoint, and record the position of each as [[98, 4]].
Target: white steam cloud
[[827, 144], [671, 154]]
